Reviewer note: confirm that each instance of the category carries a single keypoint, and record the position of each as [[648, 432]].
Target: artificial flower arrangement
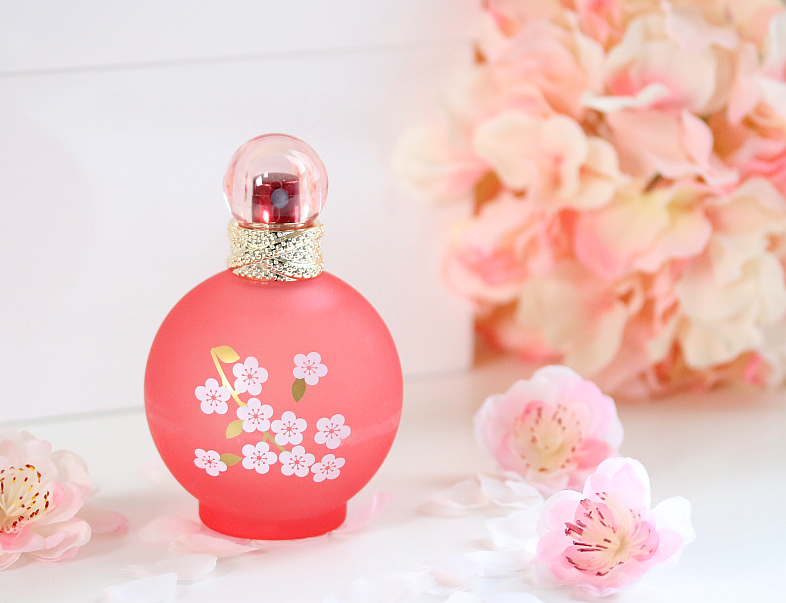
[[626, 162]]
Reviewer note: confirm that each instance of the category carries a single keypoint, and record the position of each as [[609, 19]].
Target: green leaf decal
[[234, 429], [229, 459], [226, 354], [298, 389]]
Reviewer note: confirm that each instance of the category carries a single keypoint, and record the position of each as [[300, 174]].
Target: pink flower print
[[214, 397], [309, 368], [288, 429], [255, 415], [259, 457], [331, 431], [607, 538], [296, 462], [553, 429], [329, 468], [210, 461], [249, 376]]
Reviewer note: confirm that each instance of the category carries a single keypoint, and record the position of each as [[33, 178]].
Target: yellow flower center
[[22, 498]]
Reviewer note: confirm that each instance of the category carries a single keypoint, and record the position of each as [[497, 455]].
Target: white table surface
[[724, 451]]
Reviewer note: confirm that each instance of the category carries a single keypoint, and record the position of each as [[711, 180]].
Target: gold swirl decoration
[[263, 254]]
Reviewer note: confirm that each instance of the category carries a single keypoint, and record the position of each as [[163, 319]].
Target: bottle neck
[[267, 254]]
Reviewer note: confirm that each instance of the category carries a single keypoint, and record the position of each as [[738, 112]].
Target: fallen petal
[[168, 529], [466, 494], [510, 493], [210, 545], [103, 521], [186, 568], [370, 511]]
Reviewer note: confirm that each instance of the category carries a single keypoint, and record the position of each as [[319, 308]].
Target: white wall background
[[117, 121]]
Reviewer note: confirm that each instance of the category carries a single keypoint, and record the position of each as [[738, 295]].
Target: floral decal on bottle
[[255, 417], [307, 371]]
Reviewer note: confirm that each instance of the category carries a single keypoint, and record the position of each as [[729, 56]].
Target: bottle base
[[261, 527]]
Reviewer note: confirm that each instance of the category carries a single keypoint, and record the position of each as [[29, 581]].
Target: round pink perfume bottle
[[273, 389]]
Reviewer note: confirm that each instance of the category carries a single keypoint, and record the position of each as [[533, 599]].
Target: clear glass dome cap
[[275, 180]]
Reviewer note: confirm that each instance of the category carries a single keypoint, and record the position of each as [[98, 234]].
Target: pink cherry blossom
[[258, 457], [332, 431], [296, 461], [40, 493], [309, 368], [249, 376], [608, 537], [289, 429], [553, 429], [210, 461], [214, 397], [328, 468], [255, 415]]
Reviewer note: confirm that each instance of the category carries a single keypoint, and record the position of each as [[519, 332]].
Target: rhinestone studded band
[[275, 255]]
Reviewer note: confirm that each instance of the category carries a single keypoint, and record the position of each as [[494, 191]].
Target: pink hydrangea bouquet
[[626, 165]]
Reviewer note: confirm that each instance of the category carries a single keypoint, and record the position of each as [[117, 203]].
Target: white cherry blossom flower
[[259, 457], [214, 397], [296, 462], [288, 429], [329, 468], [332, 431], [255, 416], [249, 376], [309, 368], [210, 461]]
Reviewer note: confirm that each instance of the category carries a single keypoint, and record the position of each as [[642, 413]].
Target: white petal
[[466, 494], [510, 493], [103, 521], [145, 590], [370, 511], [186, 568], [387, 588], [514, 532], [167, 529], [210, 545]]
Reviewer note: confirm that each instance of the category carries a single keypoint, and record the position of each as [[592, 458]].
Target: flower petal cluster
[[309, 368], [608, 151], [328, 468], [288, 429], [258, 457], [210, 461], [40, 493], [607, 537], [296, 461], [213, 397], [332, 431], [553, 429], [255, 415], [249, 376]]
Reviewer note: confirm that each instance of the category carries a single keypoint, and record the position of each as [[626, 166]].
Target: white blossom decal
[[288, 429], [209, 460], [331, 431], [214, 397], [249, 376], [328, 468], [259, 457], [255, 415], [296, 462], [309, 368]]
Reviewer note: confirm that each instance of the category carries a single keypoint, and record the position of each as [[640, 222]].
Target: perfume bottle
[[273, 390]]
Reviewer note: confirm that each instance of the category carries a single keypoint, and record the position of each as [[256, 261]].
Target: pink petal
[[168, 529], [510, 493], [62, 540], [104, 521], [68, 499], [592, 452], [210, 545], [624, 478], [463, 495], [370, 511], [6, 559], [145, 590], [515, 531], [186, 568]]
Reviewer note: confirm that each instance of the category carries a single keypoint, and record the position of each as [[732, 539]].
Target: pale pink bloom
[[553, 429], [40, 493], [601, 19], [579, 315], [288, 429], [328, 468], [606, 538], [255, 415], [557, 58], [331, 431], [309, 368], [258, 457], [735, 290], [641, 230], [210, 461], [213, 397], [296, 462], [668, 143], [249, 376], [552, 159], [490, 255], [511, 16]]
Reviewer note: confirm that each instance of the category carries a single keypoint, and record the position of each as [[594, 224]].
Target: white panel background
[[116, 124]]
